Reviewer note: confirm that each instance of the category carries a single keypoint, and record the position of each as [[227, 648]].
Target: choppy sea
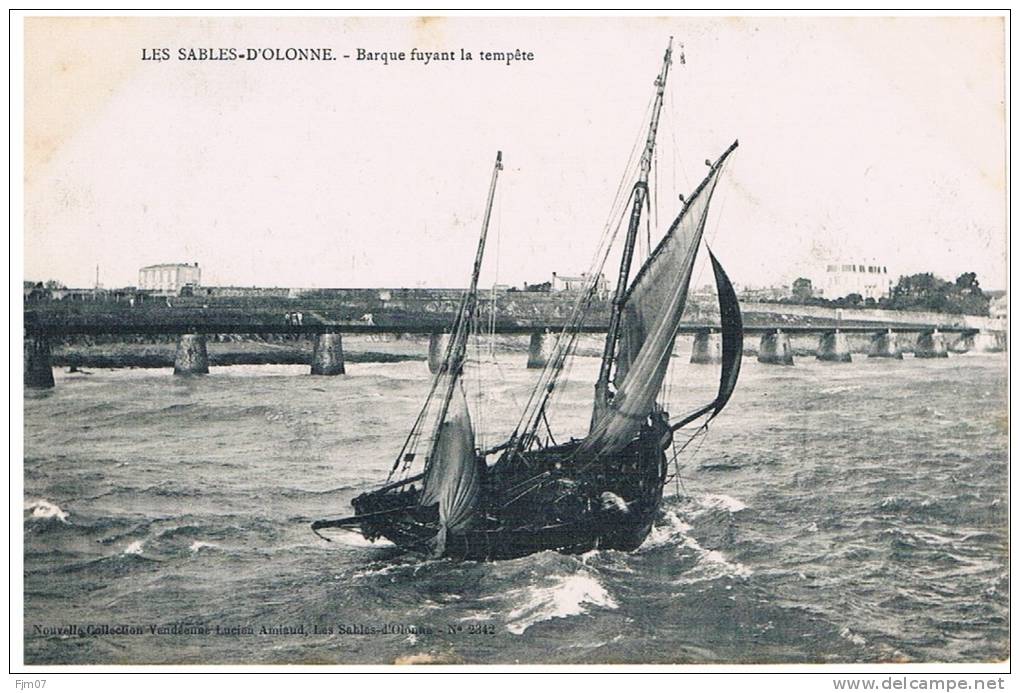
[[833, 513]]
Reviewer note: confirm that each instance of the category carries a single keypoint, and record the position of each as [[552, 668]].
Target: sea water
[[832, 513]]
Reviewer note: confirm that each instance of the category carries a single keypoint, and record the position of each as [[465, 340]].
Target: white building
[[868, 279], [169, 278], [998, 306], [563, 283]]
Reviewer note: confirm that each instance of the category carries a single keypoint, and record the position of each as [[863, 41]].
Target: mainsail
[[651, 313]]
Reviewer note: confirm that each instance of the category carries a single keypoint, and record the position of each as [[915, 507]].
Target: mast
[[640, 195], [458, 347]]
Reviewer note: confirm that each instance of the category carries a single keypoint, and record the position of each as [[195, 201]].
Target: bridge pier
[[539, 349], [885, 345], [438, 343], [988, 343], [962, 344], [328, 354], [931, 345], [707, 347], [191, 357], [833, 346], [38, 371], [775, 348]]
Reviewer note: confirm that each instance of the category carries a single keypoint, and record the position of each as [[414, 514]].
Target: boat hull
[[571, 508]]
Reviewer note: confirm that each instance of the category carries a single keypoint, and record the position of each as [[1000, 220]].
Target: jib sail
[[732, 345]]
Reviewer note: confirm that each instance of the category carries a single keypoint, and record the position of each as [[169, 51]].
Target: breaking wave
[[560, 597], [135, 548], [44, 510], [711, 565], [668, 530], [721, 501]]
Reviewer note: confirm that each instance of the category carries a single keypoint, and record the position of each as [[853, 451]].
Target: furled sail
[[652, 309], [452, 478]]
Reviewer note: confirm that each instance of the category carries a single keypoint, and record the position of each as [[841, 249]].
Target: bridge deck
[[365, 312], [193, 326]]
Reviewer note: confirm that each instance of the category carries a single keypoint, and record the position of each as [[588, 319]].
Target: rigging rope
[[703, 429], [409, 450], [563, 349], [564, 344]]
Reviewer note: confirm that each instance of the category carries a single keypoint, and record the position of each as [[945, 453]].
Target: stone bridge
[[783, 329]]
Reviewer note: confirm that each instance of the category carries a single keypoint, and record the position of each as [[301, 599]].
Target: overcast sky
[[860, 139]]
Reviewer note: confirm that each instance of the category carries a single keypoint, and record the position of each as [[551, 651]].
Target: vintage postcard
[[463, 340]]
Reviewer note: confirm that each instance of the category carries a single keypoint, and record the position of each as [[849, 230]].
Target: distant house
[[562, 282], [869, 279], [998, 306], [76, 294], [764, 293], [35, 291], [170, 278]]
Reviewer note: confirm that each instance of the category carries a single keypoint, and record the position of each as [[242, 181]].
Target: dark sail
[[732, 345], [732, 335]]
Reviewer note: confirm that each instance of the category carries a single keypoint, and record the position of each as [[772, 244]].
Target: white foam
[[376, 572], [839, 388], [480, 616], [666, 532], [567, 595], [720, 501], [135, 547], [43, 509], [199, 545], [731, 568], [853, 637], [712, 565], [355, 539]]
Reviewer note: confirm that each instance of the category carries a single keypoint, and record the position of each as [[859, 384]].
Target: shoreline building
[[580, 283], [169, 278], [868, 279], [998, 304]]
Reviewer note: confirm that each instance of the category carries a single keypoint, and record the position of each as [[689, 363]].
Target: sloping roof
[[168, 265]]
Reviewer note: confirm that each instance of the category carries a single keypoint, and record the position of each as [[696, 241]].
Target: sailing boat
[[528, 493]]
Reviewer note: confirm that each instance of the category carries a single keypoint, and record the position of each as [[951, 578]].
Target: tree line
[[922, 291]]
